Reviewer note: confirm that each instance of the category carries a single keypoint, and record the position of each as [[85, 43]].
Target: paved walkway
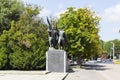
[[31, 75], [87, 72]]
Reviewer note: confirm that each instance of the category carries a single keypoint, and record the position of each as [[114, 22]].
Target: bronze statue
[[62, 39], [57, 38], [53, 35]]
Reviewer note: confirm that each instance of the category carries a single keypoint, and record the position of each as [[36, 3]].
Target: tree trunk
[[79, 59]]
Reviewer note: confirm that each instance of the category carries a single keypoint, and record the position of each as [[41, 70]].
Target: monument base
[[56, 61]]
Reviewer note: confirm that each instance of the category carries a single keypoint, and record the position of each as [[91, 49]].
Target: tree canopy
[[81, 26], [23, 46], [9, 10]]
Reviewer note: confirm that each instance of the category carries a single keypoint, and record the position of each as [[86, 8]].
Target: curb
[[24, 72], [65, 76]]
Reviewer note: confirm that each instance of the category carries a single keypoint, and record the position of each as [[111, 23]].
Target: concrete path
[[87, 72], [30, 75]]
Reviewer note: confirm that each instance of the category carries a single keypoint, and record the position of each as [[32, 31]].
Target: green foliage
[[3, 57], [26, 41], [108, 45], [81, 26], [3, 51], [9, 10], [31, 42]]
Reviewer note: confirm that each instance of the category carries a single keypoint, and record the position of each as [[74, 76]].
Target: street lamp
[[110, 53], [113, 48]]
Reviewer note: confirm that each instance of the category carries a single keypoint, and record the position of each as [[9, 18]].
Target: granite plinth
[[56, 61]]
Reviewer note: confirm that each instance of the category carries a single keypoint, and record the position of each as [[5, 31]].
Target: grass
[[116, 61]]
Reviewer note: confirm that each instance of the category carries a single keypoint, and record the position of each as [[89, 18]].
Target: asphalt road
[[95, 71]]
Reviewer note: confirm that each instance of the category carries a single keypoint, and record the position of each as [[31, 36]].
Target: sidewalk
[[90, 71], [18, 72], [31, 75]]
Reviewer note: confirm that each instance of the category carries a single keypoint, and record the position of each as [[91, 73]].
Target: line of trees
[[24, 36], [108, 47]]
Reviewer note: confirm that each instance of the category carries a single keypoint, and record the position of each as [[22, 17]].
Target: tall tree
[[81, 26], [9, 10], [25, 43]]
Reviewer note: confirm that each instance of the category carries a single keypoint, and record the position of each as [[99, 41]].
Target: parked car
[[99, 60]]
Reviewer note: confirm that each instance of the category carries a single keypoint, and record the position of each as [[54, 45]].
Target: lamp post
[[113, 48], [110, 52]]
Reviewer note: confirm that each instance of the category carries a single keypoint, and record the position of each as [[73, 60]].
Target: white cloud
[[58, 13], [112, 14], [45, 12], [116, 29]]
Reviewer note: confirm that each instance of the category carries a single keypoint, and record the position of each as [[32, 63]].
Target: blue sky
[[108, 10]]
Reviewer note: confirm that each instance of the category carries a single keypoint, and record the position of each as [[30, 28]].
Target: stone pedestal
[[56, 61]]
